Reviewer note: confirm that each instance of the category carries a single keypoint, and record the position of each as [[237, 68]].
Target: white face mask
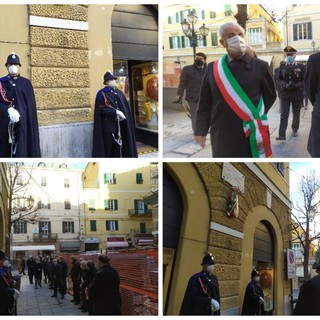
[[236, 46], [210, 268], [7, 264], [13, 69], [112, 83], [257, 279]]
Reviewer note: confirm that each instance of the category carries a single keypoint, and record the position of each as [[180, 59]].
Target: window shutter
[[309, 30], [105, 178], [49, 227], [181, 16], [177, 17], [179, 45], [114, 179], [169, 20], [183, 42], [115, 204], [72, 227], [170, 43], [203, 14], [205, 41], [295, 32], [116, 224]]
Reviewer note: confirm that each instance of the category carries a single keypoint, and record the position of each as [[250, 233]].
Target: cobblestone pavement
[[178, 140], [34, 301]]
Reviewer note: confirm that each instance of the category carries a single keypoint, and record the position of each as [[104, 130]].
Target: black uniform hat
[[289, 49], [254, 273], [2, 255], [13, 59], [208, 259], [108, 76]]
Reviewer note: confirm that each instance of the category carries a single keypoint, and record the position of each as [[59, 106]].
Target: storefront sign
[[233, 176], [291, 264]]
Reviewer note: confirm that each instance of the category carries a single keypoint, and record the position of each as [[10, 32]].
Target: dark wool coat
[[227, 136], [200, 290], [105, 292], [312, 90], [105, 124], [6, 292], [190, 82], [26, 130], [308, 300], [251, 304]]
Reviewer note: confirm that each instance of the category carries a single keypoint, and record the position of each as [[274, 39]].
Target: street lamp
[[313, 44], [190, 33]]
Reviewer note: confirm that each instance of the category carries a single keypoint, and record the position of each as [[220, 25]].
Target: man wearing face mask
[[290, 80], [113, 128], [253, 299], [202, 296], [190, 84], [237, 92], [19, 132]]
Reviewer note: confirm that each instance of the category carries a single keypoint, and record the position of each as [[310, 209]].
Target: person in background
[[190, 84], [202, 296]]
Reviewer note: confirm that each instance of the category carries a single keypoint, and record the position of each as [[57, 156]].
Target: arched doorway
[[263, 260]]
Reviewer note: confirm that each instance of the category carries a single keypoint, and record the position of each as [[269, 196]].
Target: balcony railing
[[140, 212], [45, 237]]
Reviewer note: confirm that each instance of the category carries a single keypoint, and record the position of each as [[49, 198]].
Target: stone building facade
[[195, 222], [4, 228], [65, 50]]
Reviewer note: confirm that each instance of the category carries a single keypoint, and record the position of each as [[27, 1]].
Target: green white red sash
[[255, 123]]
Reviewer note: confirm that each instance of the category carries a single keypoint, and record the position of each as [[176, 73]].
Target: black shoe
[[54, 296], [294, 133], [280, 138]]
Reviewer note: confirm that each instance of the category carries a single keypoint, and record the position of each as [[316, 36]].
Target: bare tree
[[303, 215], [21, 204], [242, 15]]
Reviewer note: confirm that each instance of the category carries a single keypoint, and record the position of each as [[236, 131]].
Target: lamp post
[[190, 33], [313, 44]]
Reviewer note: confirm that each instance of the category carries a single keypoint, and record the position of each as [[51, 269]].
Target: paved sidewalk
[[178, 140], [39, 301]]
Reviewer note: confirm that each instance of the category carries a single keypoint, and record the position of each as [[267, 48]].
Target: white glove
[[16, 294], [261, 301], [14, 115], [215, 306], [121, 115]]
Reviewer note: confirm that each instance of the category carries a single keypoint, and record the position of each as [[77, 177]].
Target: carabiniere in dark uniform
[[290, 80]]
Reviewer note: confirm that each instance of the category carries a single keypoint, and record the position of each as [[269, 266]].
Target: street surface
[[178, 139]]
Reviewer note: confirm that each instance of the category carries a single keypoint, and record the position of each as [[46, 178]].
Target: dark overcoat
[[251, 302], [6, 291], [308, 300], [106, 124], [200, 290], [190, 82], [312, 90], [105, 292], [227, 136], [26, 130]]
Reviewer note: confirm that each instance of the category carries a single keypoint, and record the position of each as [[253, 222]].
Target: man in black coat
[[308, 300], [31, 266], [75, 275], [290, 80], [190, 84], [19, 131], [253, 301], [232, 130], [105, 289], [113, 128], [202, 296], [312, 90]]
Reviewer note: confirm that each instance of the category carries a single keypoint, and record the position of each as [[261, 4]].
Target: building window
[[213, 14], [67, 183], [67, 204], [109, 178], [44, 204], [67, 227], [45, 228], [227, 10], [214, 39], [302, 31], [92, 204], [43, 181], [139, 178], [255, 35], [111, 204], [19, 180], [177, 42], [140, 206], [112, 225], [93, 225], [280, 167], [20, 227]]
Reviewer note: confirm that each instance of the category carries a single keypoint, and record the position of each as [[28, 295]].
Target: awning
[[145, 242], [50, 247], [117, 244], [266, 58], [91, 240], [70, 245]]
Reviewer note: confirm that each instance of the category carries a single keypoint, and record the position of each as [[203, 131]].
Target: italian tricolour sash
[[255, 123]]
